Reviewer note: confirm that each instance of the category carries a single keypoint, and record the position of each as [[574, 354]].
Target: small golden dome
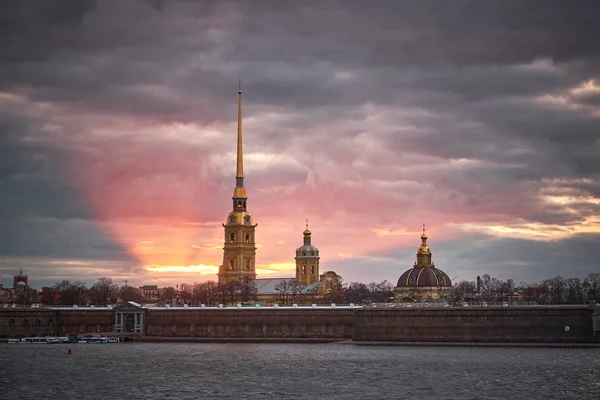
[[306, 231], [424, 249]]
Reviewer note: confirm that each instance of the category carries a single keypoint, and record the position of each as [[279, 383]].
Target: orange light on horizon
[[196, 269]]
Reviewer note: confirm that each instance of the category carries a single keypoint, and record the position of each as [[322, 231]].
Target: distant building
[[423, 281], [150, 293], [20, 280]]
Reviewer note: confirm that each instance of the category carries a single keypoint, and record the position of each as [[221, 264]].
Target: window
[[231, 263], [247, 238], [247, 261], [232, 237], [328, 284], [25, 323], [303, 269], [312, 269], [11, 323], [247, 219], [38, 322]]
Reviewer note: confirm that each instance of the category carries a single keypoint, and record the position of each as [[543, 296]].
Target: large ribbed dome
[[424, 273], [424, 276]]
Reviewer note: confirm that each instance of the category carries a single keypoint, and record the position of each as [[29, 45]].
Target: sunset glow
[[118, 151]]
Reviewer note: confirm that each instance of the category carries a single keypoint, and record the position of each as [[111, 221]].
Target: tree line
[[557, 290]]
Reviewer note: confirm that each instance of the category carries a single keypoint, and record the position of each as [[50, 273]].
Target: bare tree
[[295, 290], [205, 292], [591, 286], [103, 291], [234, 291], [168, 295], [70, 293], [575, 291], [186, 292], [283, 289], [129, 293], [464, 291], [358, 293], [248, 291]]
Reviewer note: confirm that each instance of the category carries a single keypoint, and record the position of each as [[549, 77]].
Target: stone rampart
[[16, 322], [541, 324], [255, 323]]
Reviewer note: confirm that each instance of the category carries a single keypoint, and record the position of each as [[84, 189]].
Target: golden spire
[[239, 192], [240, 162]]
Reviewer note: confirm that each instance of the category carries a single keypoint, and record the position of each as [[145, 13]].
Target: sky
[[118, 136]]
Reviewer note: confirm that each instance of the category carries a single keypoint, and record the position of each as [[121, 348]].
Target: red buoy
[[69, 351]]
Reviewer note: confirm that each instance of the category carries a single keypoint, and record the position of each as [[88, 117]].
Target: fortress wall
[[81, 321], [473, 324], [502, 324], [269, 323], [27, 322]]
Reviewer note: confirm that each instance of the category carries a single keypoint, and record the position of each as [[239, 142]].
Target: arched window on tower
[[312, 269], [303, 269], [232, 237], [247, 261], [231, 263], [247, 238]]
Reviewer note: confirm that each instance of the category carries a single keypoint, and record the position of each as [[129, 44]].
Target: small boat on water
[[98, 340], [41, 340]]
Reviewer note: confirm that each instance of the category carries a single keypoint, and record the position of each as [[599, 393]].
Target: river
[[295, 371]]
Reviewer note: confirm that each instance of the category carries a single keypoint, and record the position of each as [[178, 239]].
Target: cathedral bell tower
[[307, 260], [239, 250]]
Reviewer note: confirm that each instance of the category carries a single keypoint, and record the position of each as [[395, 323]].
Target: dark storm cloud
[[46, 237], [460, 80]]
